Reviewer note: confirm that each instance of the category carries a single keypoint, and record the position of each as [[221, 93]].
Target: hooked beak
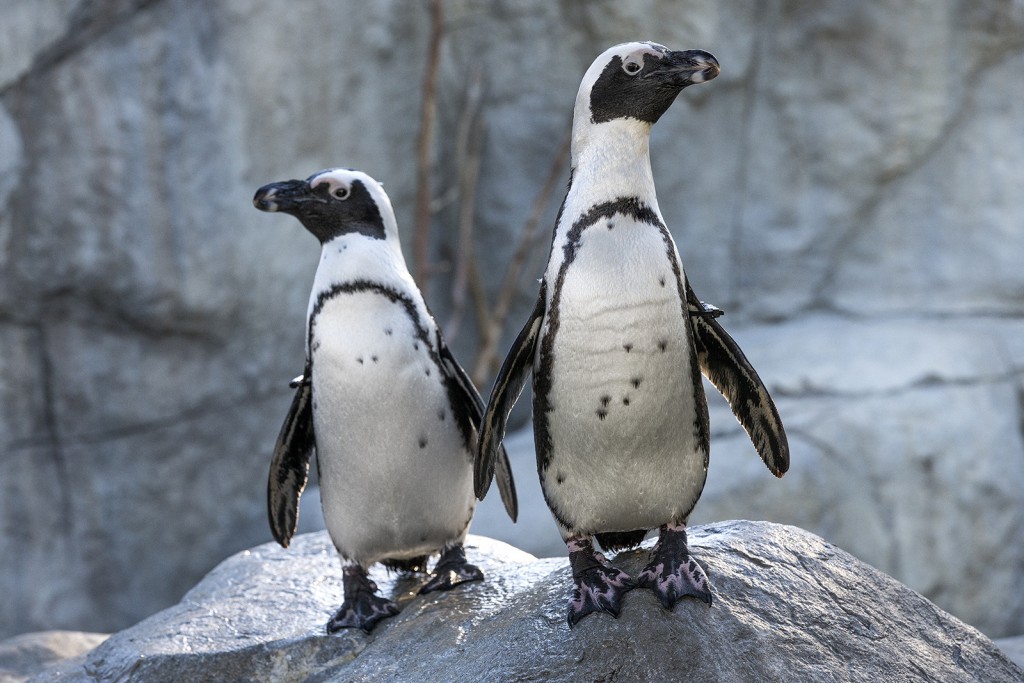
[[285, 196], [686, 67]]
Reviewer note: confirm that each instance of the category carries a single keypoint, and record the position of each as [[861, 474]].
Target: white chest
[[621, 345], [622, 402], [396, 479]]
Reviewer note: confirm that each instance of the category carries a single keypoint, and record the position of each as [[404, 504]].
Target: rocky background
[[849, 190]]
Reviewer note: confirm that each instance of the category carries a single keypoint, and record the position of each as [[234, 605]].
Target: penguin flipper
[[508, 385], [724, 364], [289, 466], [506, 485], [469, 401]]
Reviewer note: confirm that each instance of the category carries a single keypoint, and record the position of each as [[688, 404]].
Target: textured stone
[[787, 606], [851, 179], [25, 656]]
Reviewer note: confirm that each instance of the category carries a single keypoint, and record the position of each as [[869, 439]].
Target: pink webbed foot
[[672, 572], [599, 586]]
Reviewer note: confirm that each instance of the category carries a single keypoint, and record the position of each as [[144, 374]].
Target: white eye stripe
[[338, 183]]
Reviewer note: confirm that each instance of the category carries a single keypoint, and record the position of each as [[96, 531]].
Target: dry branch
[[468, 155], [425, 142], [491, 326]]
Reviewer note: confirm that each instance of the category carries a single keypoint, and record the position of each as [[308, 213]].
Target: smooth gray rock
[[848, 190], [28, 654], [261, 615], [787, 607]]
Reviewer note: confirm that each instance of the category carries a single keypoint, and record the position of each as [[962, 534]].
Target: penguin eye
[[340, 193], [632, 68]]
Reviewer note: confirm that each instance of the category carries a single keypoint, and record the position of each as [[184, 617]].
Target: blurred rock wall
[[849, 190]]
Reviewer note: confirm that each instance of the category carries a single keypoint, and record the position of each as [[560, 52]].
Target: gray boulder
[[787, 607], [24, 656]]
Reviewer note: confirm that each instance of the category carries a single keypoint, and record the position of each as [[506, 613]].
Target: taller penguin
[[617, 344], [391, 414]]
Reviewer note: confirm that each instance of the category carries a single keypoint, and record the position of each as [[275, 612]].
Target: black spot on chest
[[630, 207], [421, 335]]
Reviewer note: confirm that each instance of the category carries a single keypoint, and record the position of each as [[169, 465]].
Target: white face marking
[[632, 56], [339, 184], [339, 181], [353, 256]]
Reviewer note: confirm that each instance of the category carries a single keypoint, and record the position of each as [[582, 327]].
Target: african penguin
[[617, 343], [392, 416]]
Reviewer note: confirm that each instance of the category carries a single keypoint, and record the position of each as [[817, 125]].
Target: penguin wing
[[473, 406], [289, 466], [722, 362], [508, 385]]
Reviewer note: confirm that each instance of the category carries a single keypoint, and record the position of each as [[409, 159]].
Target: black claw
[[362, 607], [599, 586], [451, 570], [672, 572]]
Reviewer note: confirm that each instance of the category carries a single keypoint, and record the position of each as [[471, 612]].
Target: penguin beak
[[686, 67], [286, 196]]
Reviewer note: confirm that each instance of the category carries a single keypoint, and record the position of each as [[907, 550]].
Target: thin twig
[[491, 328], [467, 159], [425, 142]]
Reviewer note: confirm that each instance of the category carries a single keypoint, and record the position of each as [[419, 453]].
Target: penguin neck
[[352, 256], [611, 160]]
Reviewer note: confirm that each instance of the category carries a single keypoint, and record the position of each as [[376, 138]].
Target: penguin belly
[[395, 476], [623, 452]]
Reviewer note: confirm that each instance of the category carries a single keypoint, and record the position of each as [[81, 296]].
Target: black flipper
[[289, 467], [507, 388], [473, 405], [724, 364]]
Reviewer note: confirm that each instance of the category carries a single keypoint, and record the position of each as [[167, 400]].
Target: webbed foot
[[672, 571], [451, 570], [362, 607], [599, 586]]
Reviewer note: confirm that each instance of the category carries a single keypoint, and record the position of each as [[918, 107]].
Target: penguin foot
[[362, 608], [599, 586], [672, 571], [451, 570]]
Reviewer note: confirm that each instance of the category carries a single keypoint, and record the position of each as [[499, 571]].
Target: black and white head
[[338, 201], [638, 82]]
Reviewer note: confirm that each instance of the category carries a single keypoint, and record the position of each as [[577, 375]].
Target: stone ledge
[[788, 606]]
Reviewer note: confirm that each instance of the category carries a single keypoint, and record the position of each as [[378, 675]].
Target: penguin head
[[337, 201], [639, 81]]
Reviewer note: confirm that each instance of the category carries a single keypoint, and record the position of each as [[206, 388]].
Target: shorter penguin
[[391, 414]]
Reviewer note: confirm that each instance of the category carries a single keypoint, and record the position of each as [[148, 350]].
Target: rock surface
[[787, 607], [848, 190], [25, 655]]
